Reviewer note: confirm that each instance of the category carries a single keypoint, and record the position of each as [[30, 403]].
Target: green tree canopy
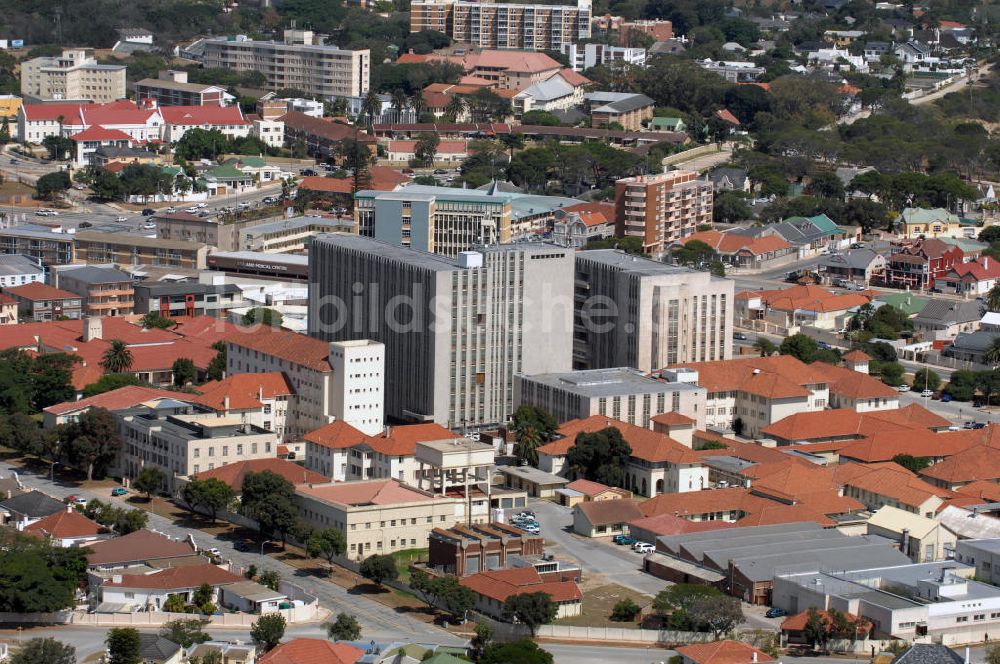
[[267, 631], [44, 650], [124, 645], [524, 651], [600, 456], [149, 480], [262, 316], [530, 609], [212, 495], [185, 372], [49, 186], [93, 440], [911, 463], [109, 382], [186, 632], [327, 544], [269, 499], [379, 569], [344, 628]]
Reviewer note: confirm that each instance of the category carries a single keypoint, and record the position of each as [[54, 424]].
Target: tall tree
[[149, 480], [212, 494], [426, 149], [524, 651], [93, 440], [371, 107], [186, 632], [269, 499], [217, 367], [327, 544], [455, 108], [344, 628], [185, 372], [124, 646], [117, 358], [993, 296], [44, 650], [531, 609], [262, 316], [600, 456], [379, 569]]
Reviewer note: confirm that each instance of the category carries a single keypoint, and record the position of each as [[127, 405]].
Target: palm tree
[[526, 448], [117, 358], [399, 103], [455, 108], [993, 298], [371, 107], [418, 103], [992, 354]]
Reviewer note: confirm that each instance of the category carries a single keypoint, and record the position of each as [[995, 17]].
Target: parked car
[[740, 336], [308, 172], [623, 539], [927, 393], [76, 500], [945, 397], [170, 210], [148, 212], [643, 547], [121, 218], [775, 612], [903, 388], [119, 491], [440, 171], [214, 551]]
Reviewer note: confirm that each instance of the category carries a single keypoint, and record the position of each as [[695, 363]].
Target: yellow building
[[916, 222], [9, 106]]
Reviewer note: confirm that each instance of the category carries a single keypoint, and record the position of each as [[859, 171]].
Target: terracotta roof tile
[[203, 115], [374, 492], [186, 576], [884, 445], [855, 384], [501, 584], [645, 443], [312, 651], [588, 488], [66, 524], [244, 390], [982, 491], [335, 435], [140, 546], [980, 462], [779, 376], [38, 291], [836, 423], [797, 623], [723, 652], [856, 356], [234, 473], [605, 512], [123, 397], [290, 346], [668, 524], [889, 480]]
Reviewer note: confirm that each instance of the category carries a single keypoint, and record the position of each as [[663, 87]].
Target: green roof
[[172, 170], [665, 122], [445, 658], [925, 216], [965, 244], [227, 172], [905, 302], [824, 223]]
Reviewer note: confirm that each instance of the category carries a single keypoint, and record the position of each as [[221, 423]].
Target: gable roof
[[979, 462], [233, 474], [947, 312], [312, 651], [724, 652], [171, 578], [928, 653], [33, 504], [501, 584], [290, 346], [204, 115], [335, 435], [244, 391], [645, 443], [588, 488], [124, 397], [890, 480], [38, 291], [156, 648], [99, 133], [776, 377]]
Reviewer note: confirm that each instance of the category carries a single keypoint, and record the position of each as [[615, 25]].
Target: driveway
[[617, 564]]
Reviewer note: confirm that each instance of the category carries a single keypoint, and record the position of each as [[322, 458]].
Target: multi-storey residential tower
[[662, 208]]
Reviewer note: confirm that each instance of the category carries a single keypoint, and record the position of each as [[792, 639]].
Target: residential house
[[726, 178], [604, 518], [971, 346], [298, 651], [576, 225], [722, 652], [17, 270], [921, 538], [945, 319], [494, 587], [149, 591], [971, 279], [917, 265], [21, 510], [860, 266], [142, 548], [553, 94], [155, 649], [744, 252], [658, 464], [585, 491], [800, 305], [68, 528], [923, 223], [40, 302]]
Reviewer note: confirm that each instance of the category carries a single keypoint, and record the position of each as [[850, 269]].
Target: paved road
[[377, 620], [959, 85]]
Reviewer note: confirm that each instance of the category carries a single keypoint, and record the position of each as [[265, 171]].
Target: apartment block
[[504, 25], [323, 394], [301, 61], [182, 440], [171, 88], [73, 75], [124, 249], [635, 312], [105, 291], [187, 299], [622, 393], [440, 222], [662, 208], [585, 56], [18, 270], [40, 302], [455, 331], [37, 243]]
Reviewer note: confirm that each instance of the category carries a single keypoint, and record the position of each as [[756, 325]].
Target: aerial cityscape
[[444, 331]]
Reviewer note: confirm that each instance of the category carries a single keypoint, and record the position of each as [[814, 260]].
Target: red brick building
[[919, 264], [463, 550]]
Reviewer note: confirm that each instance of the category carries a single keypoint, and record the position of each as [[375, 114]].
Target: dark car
[[775, 612], [148, 212], [309, 172], [739, 336], [241, 546]]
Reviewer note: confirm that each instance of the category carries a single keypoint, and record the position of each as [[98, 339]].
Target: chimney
[[93, 328], [260, 393], [225, 402], [755, 657]]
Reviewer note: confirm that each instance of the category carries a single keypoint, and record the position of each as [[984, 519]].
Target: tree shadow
[[368, 589]]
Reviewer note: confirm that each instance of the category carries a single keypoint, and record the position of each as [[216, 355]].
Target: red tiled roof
[[203, 115], [606, 512], [123, 397], [980, 462], [976, 269], [326, 185], [38, 291], [501, 584], [234, 473], [778, 376], [732, 243], [646, 444], [289, 346], [725, 114], [810, 298], [375, 492], [835, 423], [185, 576], [884, 445], [99, 133], [890, 480], [64, 525], [724, 652], [575, 79], [588, 488], [402, 440], [336, 435], [668, 524], [671, 418], [312, 651], [325, 129], [981, 490], [797, 623], [856, 356], [140, 546], [52, 112], [244, 390]]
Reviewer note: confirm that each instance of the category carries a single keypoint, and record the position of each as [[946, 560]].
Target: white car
[[903, 388], [927, 393], [643, 547], [122, 218], [213, 551]]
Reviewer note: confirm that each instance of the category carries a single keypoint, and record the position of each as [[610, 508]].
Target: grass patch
[[598, 603], [405, 558]]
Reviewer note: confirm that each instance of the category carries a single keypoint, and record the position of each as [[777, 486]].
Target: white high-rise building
[[358, 383]]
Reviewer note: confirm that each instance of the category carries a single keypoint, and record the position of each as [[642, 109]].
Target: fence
[[54, 618], [298, 614], [699, 151]]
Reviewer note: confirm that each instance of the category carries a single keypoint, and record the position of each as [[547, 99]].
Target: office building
[[18, 270], [662, 208], [622, 393], [301, 62], [74, 75], [339, 381], [190, 229], [105, 291], [455, 331], [635, 312], [187, 299], [441, 221], [290, 235], [183, 439], [171, 88], [504, 25]]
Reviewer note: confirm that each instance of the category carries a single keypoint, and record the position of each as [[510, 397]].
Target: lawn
[[598, 603]]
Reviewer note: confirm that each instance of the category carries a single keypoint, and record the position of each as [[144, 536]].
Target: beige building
[[182, 440], [662, 208], [301, 62], [123, 249], [924, 540], [504, 25], [190, 228], [624, 393], [635, 312], [74, 75]]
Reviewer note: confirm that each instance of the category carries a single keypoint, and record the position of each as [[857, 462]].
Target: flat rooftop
[[608, 382], [626, 262], [453, 445], [263, 257]]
